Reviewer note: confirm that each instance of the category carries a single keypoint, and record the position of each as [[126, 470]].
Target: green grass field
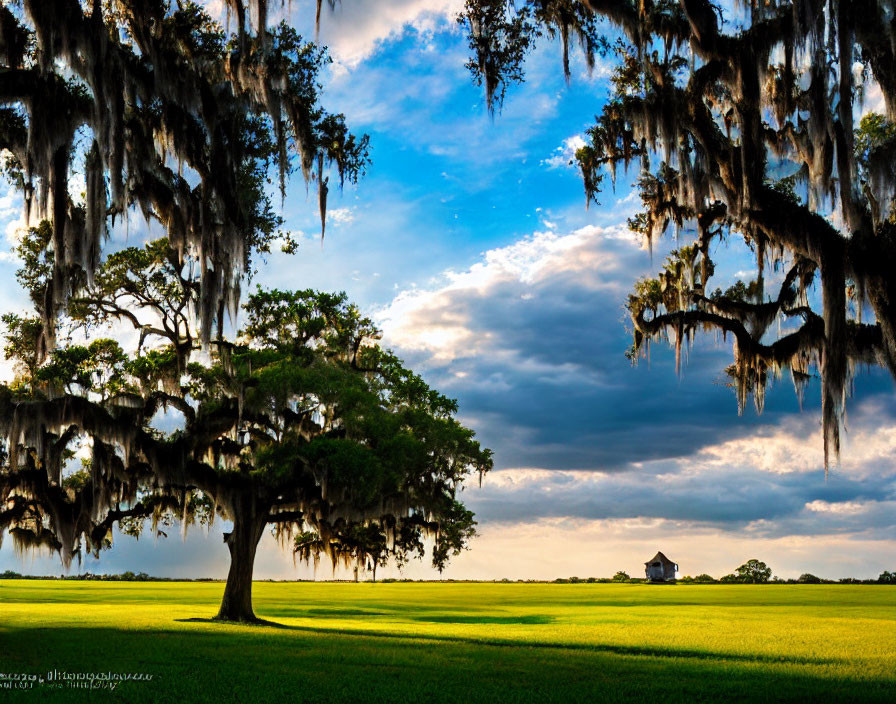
[[456, 642]]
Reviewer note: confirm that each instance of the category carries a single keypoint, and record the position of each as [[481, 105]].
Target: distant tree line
[[745, 574], [751, 572], [89, 576], [884, 578]]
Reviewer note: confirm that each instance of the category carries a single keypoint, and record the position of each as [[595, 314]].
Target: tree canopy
[[752, 572], [745, 121], [303, 423], [161, 109]]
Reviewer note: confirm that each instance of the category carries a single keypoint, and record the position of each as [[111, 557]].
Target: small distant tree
[[887, 578], [753, 572], [704, 579], [808, 579], [621, 576]]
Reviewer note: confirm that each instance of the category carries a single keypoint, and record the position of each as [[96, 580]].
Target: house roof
[[661, 559]]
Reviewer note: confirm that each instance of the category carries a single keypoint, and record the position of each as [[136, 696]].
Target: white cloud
[[796, 445], [872, 100], [841, 507], [356, 29], [438, 321], [12, 215], [565, 153], [341, 216]]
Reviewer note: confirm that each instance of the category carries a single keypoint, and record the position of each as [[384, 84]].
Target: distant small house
[[660, 569]]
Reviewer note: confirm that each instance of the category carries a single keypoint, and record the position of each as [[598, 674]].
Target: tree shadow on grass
[[259, 622], [348, 613], [288, 663], [662, 652], [345, 612], [534, 619]]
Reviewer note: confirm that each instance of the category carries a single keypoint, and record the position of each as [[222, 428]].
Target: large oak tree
[[303, 423]]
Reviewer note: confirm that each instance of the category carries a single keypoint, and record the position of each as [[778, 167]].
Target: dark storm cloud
[[541, 373], [739, 498], [531, 340]]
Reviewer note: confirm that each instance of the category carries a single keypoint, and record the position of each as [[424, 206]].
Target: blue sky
[[469, 242]]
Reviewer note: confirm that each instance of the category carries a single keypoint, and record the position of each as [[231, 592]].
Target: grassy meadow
[[456, 642]]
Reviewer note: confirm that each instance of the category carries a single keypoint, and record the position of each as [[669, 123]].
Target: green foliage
[[155, 368], [621, 576], [456, 530], [753, 572], [356, 418], [365, 546], [787, 188], [77, 481], [739, 292], [499, 43], [293, 319], [684, 273], [23, 335], [500, 35], [874, 132], [305, 417], [98, 367], [37, 263]]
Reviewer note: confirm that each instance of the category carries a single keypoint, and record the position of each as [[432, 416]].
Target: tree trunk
[[249, 520]]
